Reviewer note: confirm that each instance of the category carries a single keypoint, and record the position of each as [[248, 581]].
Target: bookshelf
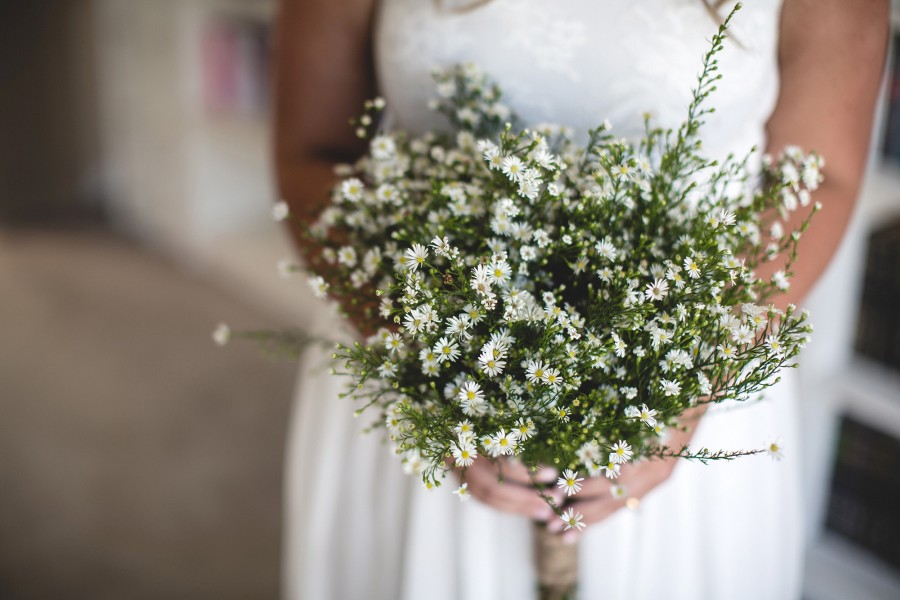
[[852, 392]]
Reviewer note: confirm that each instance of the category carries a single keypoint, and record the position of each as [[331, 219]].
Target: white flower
[[525, 429], [692, 267], [416, 256], [669, 387], [552, 378], [441, 246], [504, 443], [742, 335], [490, 365], [573, 520], [286, 267], [464, 454], [463, 492], [780, 279], [383, 147], [775, 450], [464, 430], [470, 397], [446, 350], [611, 470], [657, 290], [387, 369], [570, 482], [621, 452], [459, 326], [588, 452], [774, 344], [619, 345], [393, 342], [221, 334], [280, 211], [499, 272], [352, 189], [319, 286], [618, 491], [606, 249], [347, 256], [647, 415], [513, 167]]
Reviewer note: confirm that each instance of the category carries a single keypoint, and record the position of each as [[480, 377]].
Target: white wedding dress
[[358, 528]]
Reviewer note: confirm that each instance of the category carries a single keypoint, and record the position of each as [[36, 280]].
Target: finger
[[594, 487], [515, 470], [508, 497]]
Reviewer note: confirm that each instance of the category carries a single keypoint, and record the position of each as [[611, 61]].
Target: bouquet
[[558, 302]]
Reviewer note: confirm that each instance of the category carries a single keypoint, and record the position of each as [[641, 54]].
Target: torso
[[577, 62]]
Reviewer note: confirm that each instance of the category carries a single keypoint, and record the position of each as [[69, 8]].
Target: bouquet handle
[[556, 564]]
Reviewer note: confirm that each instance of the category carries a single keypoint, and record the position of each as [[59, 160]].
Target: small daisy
[[621, 452], [552, 378], [525, 429], [570, 482], [464, 430], [647, 415], [670, 388], [416, 256], [504, 442], [393, 342], [775, 450], [446, 350], [573, 520], [619, 345], [347, 256], [657, 290], [692, 267], [534, 371], [513, 167], [774, 344], [490, 365], [286, 267], [463, 492], [280, 211], [618, 491], [319, 286], [464, 454], [352, 189], [611, 470], [470, 394], [221, 334], [727, 351]]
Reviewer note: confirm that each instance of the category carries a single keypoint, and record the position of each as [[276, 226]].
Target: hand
[[596, 502], [506, 485]]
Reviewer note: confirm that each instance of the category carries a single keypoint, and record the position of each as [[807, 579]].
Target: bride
[[801, 72]]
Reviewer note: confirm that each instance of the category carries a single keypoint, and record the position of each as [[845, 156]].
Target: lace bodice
[[577, 62]]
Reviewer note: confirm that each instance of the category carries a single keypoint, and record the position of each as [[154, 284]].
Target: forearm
[[305, 186], [818, 244]]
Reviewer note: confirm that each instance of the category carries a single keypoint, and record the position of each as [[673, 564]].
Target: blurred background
[[139, 461]]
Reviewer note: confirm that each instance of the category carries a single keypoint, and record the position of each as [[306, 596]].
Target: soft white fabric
[[358, 528]]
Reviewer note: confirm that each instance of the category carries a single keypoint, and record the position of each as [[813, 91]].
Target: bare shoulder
[[323, 73]]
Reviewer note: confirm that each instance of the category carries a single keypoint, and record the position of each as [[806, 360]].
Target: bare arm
[[323, 75], [831, 57]]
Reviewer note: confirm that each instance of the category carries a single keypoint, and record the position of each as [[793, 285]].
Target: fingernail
[[570, 537], [546, 475], [544, 513]]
